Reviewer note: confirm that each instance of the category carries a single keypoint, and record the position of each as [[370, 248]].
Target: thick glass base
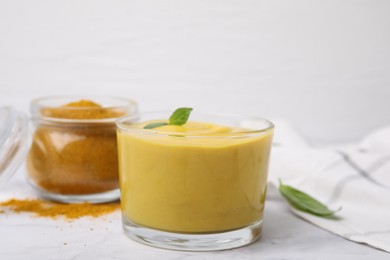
[[193, 242], [91, 198]]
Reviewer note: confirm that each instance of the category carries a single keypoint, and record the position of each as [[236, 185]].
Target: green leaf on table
[[304, 202]]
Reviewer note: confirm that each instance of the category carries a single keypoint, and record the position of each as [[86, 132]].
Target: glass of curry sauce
[[198, 186]]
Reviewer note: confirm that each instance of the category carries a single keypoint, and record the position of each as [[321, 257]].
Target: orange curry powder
[[54, 210], [73, 151]]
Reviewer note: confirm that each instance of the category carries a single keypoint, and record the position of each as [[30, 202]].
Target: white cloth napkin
[[356, 177]]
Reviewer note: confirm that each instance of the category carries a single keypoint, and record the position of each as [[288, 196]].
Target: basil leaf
[[154, 125], [304, 202], [180, 116]]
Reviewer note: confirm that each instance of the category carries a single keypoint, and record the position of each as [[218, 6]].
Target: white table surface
[[284, 236], [323, 65]]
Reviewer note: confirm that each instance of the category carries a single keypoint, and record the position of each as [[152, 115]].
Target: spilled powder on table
[[55, 210]]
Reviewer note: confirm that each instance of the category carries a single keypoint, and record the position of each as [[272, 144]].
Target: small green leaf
[[304, 202], [180, 116], [154, 125]]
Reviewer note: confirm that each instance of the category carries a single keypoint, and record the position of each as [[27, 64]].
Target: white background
[[323, 65]]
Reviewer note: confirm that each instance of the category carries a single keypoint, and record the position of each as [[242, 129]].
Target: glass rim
[[37, 104], [120, 123]]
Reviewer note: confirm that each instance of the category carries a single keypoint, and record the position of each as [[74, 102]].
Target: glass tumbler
[[196, 187]]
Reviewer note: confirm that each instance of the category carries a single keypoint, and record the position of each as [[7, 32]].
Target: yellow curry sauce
[[208, 183]]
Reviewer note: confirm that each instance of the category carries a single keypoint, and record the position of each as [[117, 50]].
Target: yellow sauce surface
[[202, 184]]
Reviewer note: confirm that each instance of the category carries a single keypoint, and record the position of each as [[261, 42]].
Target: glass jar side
[[73, 156], [73, 159]]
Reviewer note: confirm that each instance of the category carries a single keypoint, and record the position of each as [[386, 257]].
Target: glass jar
[[197, 187], [14, 142], [73, 156]]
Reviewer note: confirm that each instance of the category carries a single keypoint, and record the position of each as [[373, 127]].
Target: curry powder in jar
[[73, 157]]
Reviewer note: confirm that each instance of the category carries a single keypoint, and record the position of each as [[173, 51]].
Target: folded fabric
[[355, 177]]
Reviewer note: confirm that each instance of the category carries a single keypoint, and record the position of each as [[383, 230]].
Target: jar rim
[[123, 125], [54, 102]]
